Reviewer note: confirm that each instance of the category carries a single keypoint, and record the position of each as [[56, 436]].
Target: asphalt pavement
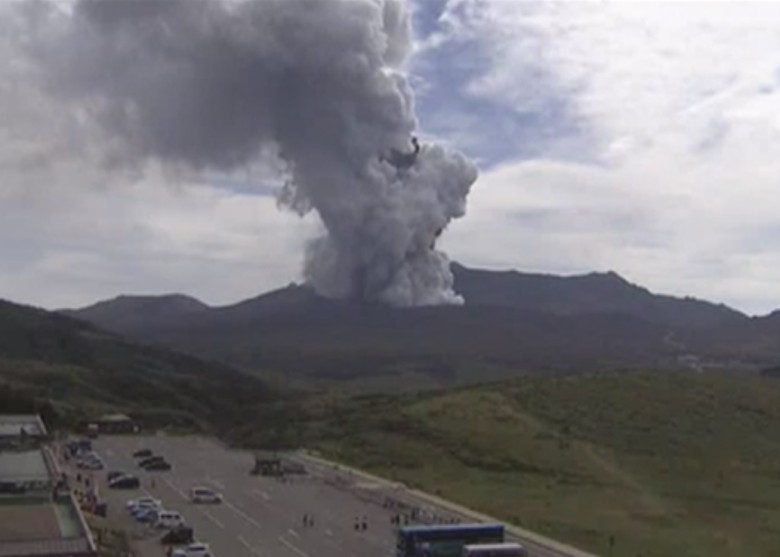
[[259, 516], [263, 516]]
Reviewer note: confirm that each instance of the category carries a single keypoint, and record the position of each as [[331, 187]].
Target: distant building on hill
[[116, 423]]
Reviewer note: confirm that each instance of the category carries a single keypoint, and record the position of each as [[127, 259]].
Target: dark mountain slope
[[128, 314], [74, 364], [594, 292], [297, 331]]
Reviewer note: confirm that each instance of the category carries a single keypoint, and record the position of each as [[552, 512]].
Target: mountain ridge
[[512, 323]]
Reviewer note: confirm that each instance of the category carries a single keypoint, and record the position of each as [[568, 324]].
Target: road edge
[[455, 507]]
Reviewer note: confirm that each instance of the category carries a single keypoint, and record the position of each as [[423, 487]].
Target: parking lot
[[259, 516]]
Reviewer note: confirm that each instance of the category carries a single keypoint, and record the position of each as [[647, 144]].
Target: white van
[[168, 519]]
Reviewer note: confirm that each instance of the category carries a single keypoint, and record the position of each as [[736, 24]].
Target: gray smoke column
[[207, 84]]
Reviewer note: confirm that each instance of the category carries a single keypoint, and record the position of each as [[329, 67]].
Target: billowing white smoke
[[211, 84]]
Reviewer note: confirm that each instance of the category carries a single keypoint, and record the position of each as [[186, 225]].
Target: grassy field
[[669, 464]]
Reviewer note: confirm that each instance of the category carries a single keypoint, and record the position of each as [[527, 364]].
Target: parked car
[[144, 462], [199, 494], [113, 474], [142, 453], [125, 482], [91, 463], [149, 502], [180, 535], [196, 549], [79, 446], [168, 519], [158, 465], [146, 515]]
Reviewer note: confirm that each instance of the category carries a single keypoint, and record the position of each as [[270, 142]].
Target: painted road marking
[[249, 546], [291, 546], [293, 533], [241, 513], [176, 489], [328, 533], [219, 484], [262, 494], [208, 515]]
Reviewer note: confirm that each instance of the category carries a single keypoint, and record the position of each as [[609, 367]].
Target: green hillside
[[71, 370], [668, 464]]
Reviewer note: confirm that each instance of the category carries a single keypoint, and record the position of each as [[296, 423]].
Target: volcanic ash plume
[[207, 84]]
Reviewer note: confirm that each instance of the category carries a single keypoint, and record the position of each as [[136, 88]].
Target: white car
[[199, 494], [168, 519], [195, 549], [144, 503]]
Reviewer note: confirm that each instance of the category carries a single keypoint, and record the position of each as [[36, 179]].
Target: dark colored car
[[79, 446], [113, 474], [147, 516], [125, 482], [158, 465], [142, 453], [178, 536], [144, 462]]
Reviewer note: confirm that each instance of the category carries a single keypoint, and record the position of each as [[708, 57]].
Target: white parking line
[[176, 489], [241, 513], [208, 515], [294, 533], [219, 484], [291, 546], [262, 494], [250, 547]]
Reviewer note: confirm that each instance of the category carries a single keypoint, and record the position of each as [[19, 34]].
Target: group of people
[[361, 524], [308, 521]]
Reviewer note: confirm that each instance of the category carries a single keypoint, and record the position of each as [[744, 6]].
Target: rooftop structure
[[43, 529], [24, 466], [14, 426], [37, 518]]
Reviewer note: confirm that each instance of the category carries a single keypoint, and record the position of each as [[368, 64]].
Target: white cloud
[[73, 231], [672, 179], [678, 104], [148, 237]]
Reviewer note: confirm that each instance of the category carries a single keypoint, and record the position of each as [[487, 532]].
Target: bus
[[445, 540], [495, 550]]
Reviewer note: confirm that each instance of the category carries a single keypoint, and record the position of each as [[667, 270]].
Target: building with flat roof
[[17, 429], [53, 528], [28, 473], [38, 517], [117, 423]]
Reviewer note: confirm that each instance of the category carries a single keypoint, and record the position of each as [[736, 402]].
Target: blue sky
[[490, 132]]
